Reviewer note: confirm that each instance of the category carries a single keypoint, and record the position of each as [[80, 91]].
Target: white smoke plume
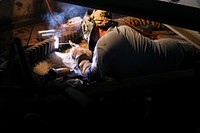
[[67, 11]]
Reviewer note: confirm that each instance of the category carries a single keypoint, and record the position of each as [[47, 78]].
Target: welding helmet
[[92, 18], [87, 25]]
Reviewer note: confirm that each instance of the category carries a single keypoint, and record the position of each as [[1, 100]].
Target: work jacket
[[123, 52]]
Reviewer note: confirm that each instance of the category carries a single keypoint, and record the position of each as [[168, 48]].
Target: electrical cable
[[49, 8]]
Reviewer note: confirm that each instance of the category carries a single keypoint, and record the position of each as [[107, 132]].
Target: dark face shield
[[87, 26], [92, 18]]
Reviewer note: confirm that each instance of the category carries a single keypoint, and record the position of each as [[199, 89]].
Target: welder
[[119, 51]]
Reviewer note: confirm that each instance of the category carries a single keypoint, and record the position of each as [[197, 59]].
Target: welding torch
[[73, 44]]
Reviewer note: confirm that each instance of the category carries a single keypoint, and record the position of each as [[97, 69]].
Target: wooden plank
[[189, 35]]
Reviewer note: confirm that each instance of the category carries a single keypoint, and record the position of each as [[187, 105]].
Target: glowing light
[[56, 43], [66, 59]]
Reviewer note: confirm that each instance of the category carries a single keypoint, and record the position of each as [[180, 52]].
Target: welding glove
[[78, 53]]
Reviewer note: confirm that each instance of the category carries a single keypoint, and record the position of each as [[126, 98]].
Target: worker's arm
[[85, 67]]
